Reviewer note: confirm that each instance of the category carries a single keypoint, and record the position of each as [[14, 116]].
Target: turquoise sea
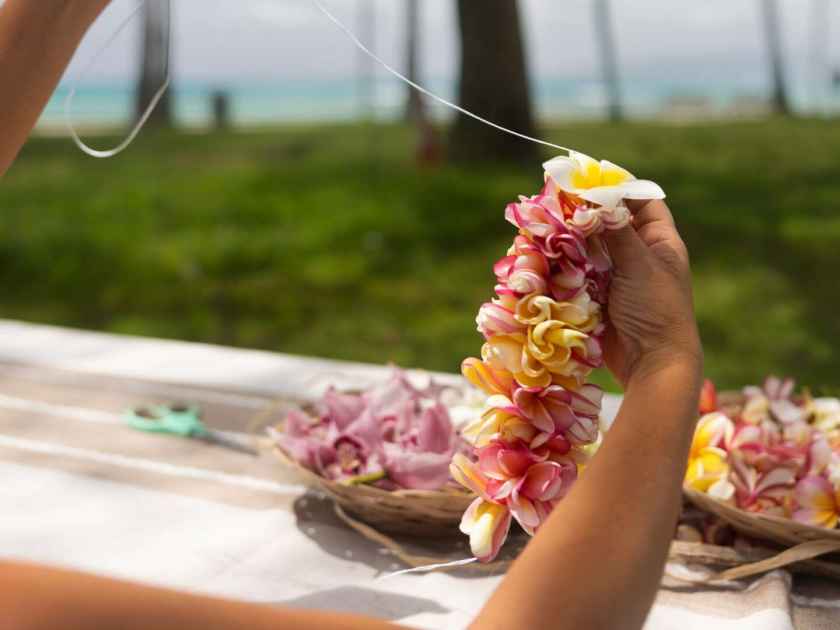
[[328, 100]]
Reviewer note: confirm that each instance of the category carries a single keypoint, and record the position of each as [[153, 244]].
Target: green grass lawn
[[331, 242]]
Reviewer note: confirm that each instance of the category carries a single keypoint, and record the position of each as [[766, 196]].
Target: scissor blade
[[220, 439]]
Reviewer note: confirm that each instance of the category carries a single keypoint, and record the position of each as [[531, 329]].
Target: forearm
[[598, 560], [37, 41], [36, 598]]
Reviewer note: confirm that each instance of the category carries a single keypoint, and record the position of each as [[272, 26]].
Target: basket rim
[[792, 527]]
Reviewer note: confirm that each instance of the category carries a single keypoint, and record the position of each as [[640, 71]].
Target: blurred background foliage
[[373, 239], [305, 240]]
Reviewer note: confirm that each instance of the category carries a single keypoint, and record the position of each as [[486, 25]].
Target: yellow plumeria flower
[[708, 468], [581, 312], [602, 183]]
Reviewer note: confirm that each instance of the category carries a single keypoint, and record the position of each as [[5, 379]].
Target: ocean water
[[336, 100]]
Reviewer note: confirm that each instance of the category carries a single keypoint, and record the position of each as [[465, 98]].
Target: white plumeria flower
[[602, 183], [826, 413]]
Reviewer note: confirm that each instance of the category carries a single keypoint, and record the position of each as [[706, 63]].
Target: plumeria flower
[[535, 493], [541, 218], [567, 280], [489, 379], [774, 398], [549, 354], [561, 350], [487, 520], [708, 467], [556, 410], [524, 270], [498, 317], [581, 312], [604, 185], [817, 502], [825, 413], [530, 483], [757, 491], [501, 420]]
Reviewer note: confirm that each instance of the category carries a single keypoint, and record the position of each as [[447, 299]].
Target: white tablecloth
[[80, 490]]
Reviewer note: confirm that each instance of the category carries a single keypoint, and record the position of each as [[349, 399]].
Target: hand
[[651, 310]]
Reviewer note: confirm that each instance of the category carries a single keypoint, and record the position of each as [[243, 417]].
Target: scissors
[[182, 420]]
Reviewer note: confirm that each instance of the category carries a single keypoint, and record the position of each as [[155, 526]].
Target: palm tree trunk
[[779, 99], [414, 100], [609, 62], [493, 83], [156, 41]]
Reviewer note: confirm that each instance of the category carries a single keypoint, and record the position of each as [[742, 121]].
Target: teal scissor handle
[[183, 420]]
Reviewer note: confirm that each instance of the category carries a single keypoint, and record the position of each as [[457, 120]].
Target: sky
[[273, 40]]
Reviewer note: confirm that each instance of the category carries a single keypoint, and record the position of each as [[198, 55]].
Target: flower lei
[[543, 334], [774, 453]]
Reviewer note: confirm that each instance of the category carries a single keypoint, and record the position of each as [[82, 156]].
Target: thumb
[[625, 246]]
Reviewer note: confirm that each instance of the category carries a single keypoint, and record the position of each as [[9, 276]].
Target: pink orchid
[[817, 502]]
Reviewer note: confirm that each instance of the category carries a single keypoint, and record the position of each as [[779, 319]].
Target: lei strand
[[543, 335]]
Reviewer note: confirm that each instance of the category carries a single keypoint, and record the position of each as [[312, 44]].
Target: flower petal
[[642, 189]]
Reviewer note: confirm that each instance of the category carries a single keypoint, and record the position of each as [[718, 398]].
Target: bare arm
[[36, 598], [37, 41], [598, 560]]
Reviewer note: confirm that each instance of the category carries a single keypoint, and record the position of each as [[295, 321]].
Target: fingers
[[650, 211], [625, 246], [654, 222]]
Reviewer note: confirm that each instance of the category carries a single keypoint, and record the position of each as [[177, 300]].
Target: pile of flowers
[[543, 334], [392, 436], [772, 452]]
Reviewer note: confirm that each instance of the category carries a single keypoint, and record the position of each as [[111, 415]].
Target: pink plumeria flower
[[817, 502], [757, 491], [486, 521], [498, 317], [556, 410], [524, 270], [535, 493], [604, 185], [541, 218]]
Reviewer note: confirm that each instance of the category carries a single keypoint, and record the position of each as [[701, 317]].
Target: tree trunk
[[155, 62], [779, 98], [414, 100], [609, 62], [493, 83]]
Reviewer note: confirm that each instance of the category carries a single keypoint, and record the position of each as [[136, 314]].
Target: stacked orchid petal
[[543, 334], [773, 452], [393, 436]]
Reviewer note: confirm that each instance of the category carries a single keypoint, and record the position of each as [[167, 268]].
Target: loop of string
[[138, 126], [150, 108]]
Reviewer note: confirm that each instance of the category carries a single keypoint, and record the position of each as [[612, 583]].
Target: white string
[[138, 126], [420, 88], [332, 18], [430, 567]]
